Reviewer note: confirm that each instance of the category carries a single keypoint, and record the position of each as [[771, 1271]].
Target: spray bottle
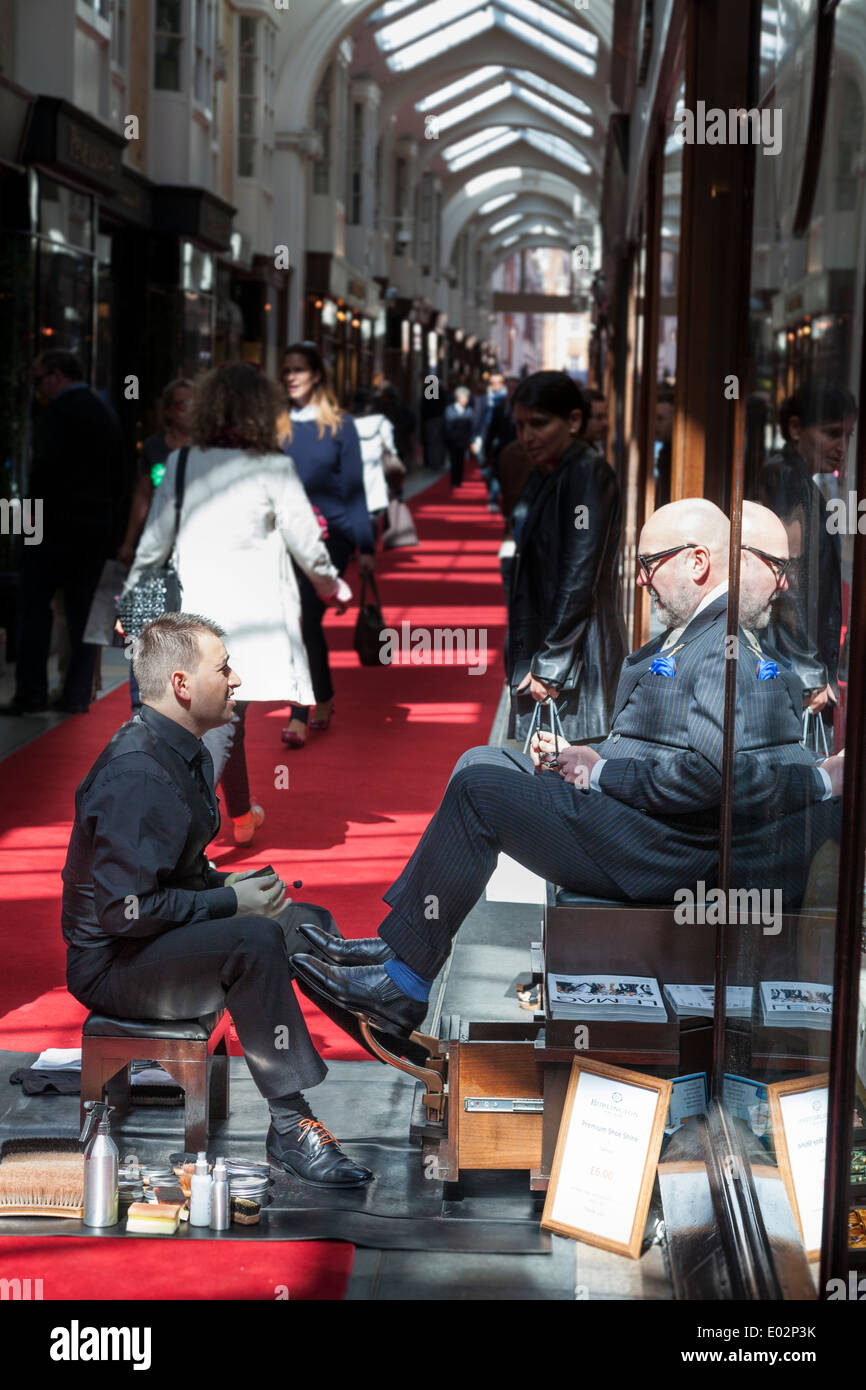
[[200, 1193], [100, 1166]]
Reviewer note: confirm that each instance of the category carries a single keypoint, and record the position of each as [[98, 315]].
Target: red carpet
[[79, 1268], [358, 797]]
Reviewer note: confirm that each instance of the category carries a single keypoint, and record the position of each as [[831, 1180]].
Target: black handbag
[[159, 590], [370, 625]]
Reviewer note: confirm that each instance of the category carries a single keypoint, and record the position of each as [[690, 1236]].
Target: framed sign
[[798, 1111], [606, 1156]]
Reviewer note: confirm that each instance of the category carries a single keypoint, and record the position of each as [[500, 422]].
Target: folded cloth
[[64, 1057], [34, 1082]]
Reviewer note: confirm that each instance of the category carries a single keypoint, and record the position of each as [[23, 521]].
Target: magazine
[[796, 1004], [629, 997]]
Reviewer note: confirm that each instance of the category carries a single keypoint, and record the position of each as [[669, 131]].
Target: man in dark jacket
[[79, 479], [152, 931]]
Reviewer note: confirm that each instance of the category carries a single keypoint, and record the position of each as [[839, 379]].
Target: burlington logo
[[77, 1343], [733, 127], [438, 646]]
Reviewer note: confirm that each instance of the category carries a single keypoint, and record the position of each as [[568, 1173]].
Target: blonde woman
[[323, 444], [245, 525]]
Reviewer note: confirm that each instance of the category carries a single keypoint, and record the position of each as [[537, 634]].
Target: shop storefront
[[764, 358]]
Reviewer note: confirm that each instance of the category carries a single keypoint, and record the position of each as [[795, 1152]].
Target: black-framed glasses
[[779, 566], [644, 561]]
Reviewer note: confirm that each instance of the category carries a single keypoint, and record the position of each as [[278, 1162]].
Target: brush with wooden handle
[[41, 1177]]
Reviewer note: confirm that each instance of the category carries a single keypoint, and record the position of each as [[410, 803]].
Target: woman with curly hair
[[245, 524], [323, 444]]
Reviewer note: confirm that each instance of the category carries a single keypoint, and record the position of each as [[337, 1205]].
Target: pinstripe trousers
[[490, 805]]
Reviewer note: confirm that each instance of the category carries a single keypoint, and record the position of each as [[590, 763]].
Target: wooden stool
[[192, 1050]]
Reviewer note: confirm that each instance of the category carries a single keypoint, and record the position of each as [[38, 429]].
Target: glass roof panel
[[555, 23], [424, 21], [440, 42], [456, 89], [551, 90], [550, 108], [481, 137], [474, 105], [537, 39], [510, 240], [557, 148], [491, 179], [493, 203], [501, 142], [504, 222]]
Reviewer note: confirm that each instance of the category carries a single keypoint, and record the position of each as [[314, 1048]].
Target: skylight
[[510, 240], [482, 151], [554, 23], [551, 90], [551, 109], [430, 47], [456, 89], [474, 105], [544, 229], [495, 203], [557, 148], [480, 137], [504, 222], [424, 21], [489, 180], [564, 52]]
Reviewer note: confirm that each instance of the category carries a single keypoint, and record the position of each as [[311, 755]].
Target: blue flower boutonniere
[[663, 666], [767, 670]]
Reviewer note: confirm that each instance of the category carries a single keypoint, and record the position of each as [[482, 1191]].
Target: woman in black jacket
[[566, 635]]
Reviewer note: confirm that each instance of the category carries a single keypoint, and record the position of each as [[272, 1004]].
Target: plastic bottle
[[200, 1193], [220, 1216], [100, 1168]]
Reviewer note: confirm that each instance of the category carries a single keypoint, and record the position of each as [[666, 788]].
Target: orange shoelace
[[315, 1127]]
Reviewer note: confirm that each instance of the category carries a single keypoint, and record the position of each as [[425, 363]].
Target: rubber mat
[[369, 1109]]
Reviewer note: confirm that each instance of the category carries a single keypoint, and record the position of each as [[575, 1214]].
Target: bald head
[[763, 529], [760, 582], [679, 582]]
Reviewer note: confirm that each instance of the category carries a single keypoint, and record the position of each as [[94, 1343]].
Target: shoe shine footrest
[[432, 1077]]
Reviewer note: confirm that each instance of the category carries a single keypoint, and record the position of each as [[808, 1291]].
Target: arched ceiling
[[484, 86]]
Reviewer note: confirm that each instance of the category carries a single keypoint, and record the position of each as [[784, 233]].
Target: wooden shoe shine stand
[[493, 1092]]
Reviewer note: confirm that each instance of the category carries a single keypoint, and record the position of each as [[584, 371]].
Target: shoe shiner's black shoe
[[311, 1152]]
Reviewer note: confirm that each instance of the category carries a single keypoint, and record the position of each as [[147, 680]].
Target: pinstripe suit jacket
[[664, 762]]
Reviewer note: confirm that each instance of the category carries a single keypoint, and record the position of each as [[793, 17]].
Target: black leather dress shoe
[[312, 1153], [363, 989], [370, 950]]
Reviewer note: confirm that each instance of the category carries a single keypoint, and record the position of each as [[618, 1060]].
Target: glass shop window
[[795, 607], [248, 96], [322, 119], [205, 38], [168, 46]]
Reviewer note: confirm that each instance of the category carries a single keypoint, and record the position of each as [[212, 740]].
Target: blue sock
[[414, 985]]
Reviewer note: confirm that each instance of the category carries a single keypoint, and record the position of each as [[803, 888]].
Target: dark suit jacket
[[807, 619], [458, 427], [565, 603], [79, 471], [664, 769]]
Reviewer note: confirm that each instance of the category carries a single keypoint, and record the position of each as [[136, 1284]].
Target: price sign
[[798, 1111], [606, 1156]]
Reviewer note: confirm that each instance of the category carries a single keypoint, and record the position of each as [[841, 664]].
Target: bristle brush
[[41, 1177]]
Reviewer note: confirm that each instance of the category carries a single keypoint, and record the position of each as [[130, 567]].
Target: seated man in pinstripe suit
[[634, 819]]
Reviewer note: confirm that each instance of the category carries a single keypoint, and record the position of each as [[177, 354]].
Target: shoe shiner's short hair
[[168, 643]]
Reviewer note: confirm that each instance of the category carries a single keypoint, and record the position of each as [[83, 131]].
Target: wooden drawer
[[494, 1139]]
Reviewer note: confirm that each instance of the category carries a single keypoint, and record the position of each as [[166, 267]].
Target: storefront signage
[[606, 1156], [798, 1111], [194, 213], [72, 143]]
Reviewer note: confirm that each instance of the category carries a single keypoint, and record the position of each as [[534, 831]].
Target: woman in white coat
[[244, 518], [376, 434]]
